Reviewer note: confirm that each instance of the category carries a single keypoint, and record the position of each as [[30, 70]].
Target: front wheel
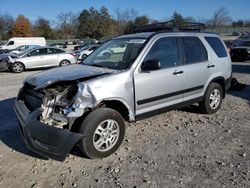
[[103, 131], [17, 67], [212, 99]]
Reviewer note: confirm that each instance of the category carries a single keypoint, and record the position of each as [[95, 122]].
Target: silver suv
[[88, 104]]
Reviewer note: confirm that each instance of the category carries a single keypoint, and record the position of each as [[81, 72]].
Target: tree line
[[93, 23]]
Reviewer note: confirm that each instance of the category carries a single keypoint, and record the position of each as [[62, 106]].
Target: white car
[[41, 57], [15, 42], [117, 48], [86, 51]]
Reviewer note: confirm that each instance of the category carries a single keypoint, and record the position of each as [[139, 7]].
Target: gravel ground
[[179, 148]]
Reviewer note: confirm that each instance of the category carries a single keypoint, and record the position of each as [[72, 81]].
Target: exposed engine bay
[[57, 104]]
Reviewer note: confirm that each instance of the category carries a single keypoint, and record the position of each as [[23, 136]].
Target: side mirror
[[151, 65], [28, 55]]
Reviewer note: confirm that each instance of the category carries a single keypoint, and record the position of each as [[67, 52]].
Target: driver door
[[157, 89], [35, 58]]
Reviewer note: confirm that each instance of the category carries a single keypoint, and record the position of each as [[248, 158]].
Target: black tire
[[205, 105], [84, 56], [17, 67], [89, 127], [64, 62]]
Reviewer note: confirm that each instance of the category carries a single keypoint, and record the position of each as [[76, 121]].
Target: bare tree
[[220, 17], [129, 14], [123, 17], [6, 24], [67, 24]]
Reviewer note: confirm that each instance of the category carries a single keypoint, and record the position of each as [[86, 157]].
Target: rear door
[[196, 67], [51, 57], [160, 88]]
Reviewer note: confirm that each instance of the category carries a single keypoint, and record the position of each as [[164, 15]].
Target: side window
[[53, 51], [195, 51], [58, 51], [217, 46], [49, 51], [10, 43], [166, 51], [36, 52]]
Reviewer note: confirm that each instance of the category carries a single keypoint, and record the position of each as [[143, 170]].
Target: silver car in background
[[23, 48], [41, 57]]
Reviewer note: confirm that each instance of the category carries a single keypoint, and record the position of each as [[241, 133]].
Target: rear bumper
[[48, 141]]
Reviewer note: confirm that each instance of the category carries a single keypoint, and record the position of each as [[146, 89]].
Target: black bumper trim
[[228, 83], [48, 141]]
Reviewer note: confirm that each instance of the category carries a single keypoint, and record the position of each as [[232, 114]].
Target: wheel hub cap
[[106, 135], [215, 98]]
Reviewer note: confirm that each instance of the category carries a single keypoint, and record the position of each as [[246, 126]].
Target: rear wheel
[[64, 63], [103, 131], [212, 100], [17, 67]]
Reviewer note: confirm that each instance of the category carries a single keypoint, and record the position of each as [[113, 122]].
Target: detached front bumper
[[48, 141]]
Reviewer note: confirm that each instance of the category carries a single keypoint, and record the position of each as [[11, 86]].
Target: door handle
[[178, 72], [210, 66]]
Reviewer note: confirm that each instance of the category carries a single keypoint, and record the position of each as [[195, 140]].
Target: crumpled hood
[[67, 73]]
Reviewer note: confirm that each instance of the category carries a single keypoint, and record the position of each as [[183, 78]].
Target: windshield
[[116, 54]]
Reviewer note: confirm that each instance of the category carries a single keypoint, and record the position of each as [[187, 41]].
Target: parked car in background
[[19, 49], [78, 47], [19, 41], [23, 48], [242, 52], [117, 48], [41, 57], [86, 51], [244, 37], [58, 45], [4, 58]]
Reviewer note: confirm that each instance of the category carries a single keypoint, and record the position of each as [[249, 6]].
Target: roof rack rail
[[170, 26]]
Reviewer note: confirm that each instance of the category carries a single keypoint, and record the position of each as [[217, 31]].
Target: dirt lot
[[176, 149]]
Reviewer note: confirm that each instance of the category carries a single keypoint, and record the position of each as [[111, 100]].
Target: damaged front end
[[47, 115], [64, 103]]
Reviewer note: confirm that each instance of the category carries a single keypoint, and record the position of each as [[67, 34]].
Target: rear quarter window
[[217, 46]]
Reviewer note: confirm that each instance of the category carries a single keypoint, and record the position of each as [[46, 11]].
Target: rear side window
[[53, 51], [37, 52], [217, 46], [194, 50]]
